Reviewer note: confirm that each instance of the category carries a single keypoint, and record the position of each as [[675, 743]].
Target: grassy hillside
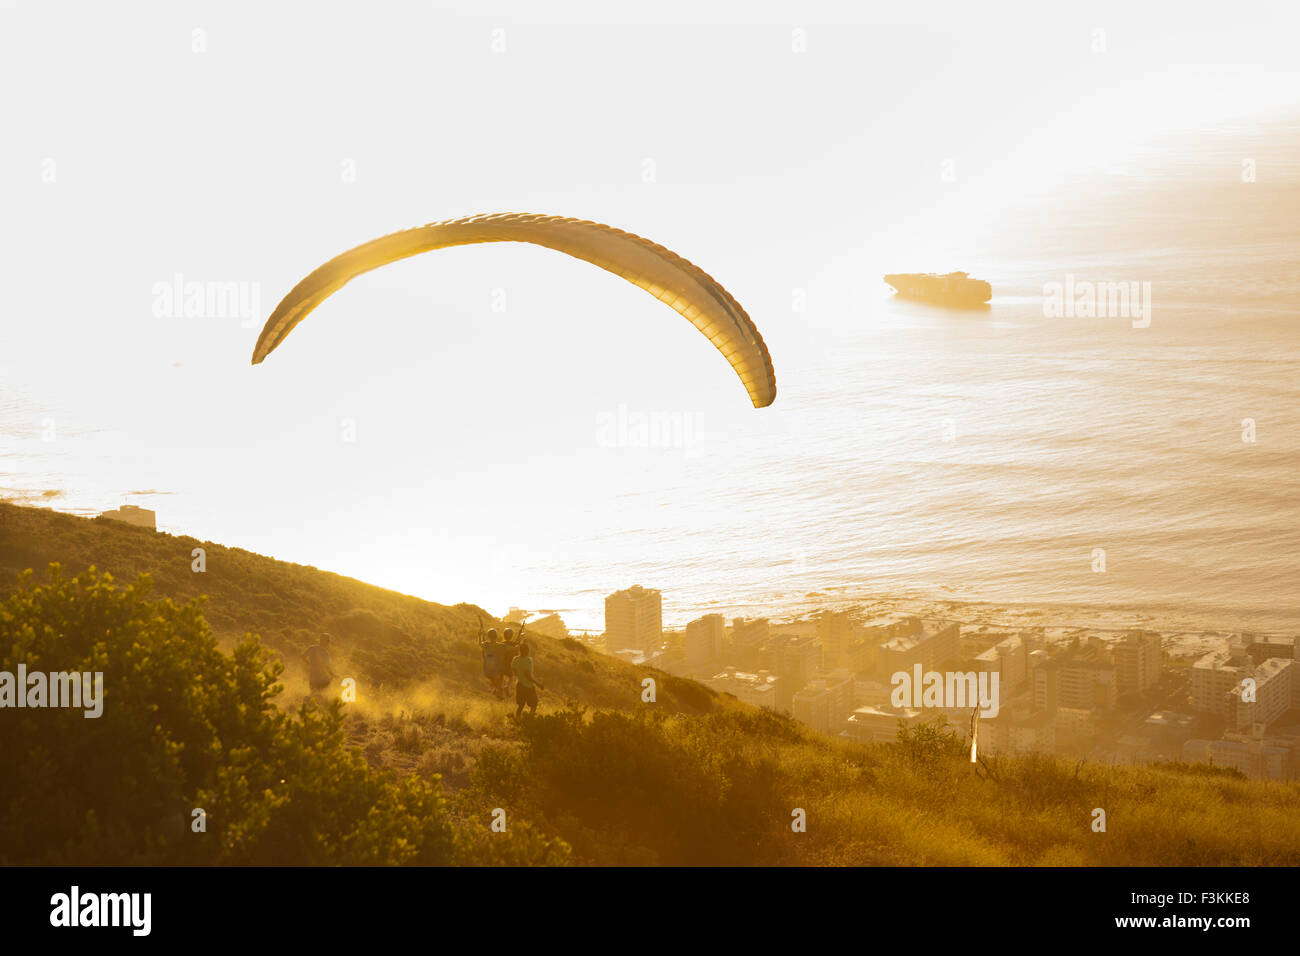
[[415, 770], [393, 644]]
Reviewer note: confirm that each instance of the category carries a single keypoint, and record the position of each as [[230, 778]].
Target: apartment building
[[634, 620], [1080, 679], [1137, 659]]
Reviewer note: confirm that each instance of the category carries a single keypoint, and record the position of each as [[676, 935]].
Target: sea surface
[[1146, 463]]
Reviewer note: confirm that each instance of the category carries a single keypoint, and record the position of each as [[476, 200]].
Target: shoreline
[[1185, 632], [1181, 627]]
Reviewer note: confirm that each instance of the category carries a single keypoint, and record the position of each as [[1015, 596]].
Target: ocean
[[1106, 463]]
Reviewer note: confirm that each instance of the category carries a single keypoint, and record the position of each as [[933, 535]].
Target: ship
[[954, 288]]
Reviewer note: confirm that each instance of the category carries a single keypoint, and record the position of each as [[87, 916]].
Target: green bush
[[931, 742], [185, 726]]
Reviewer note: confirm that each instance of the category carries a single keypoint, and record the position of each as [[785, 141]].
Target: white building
[[1270, 698], [634, 619]]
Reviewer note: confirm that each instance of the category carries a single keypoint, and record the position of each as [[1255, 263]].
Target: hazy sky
[[781, 146]]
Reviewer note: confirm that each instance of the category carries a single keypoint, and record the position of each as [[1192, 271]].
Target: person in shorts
[[526, 684]]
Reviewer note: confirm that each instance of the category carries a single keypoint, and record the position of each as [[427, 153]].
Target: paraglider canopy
[[661, 272]]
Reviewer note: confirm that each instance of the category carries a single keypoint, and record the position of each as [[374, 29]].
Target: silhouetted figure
[[490, 647], [526, 688], [509, 650], [319, 671]]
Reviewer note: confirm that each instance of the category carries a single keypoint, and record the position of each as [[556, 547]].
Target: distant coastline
[[1186, 631]]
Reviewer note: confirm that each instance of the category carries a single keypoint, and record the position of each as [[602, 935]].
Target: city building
[[705, 642], [1218, 681], [1214, 677], [1032, 733], [634, 620], [1017, 730], [550, 625], [812, 706], [1037, 658], [932, 644], [826, 701], [130, 514], [795, 660], [860, 657], [835, 631], [1261, 649], [753, 632], [1009, 658], [870, 691], [748, 642], [1272, 695], [879, 724], [1137, 662], [1079, 679], [757, 689]]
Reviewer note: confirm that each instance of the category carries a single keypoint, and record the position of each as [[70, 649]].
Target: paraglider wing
[[662, 273]]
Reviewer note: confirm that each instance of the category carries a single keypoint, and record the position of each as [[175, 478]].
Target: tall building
[[634, 620], [705, 637], [1046, 685], [796, 660], [1137, 662]]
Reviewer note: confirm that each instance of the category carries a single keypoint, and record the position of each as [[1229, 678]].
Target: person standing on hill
[[490, 648], [510, 649], [319, 671], [526, 688]]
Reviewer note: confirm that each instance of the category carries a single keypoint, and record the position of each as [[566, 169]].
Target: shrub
[[184, 726], [649, 781]]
